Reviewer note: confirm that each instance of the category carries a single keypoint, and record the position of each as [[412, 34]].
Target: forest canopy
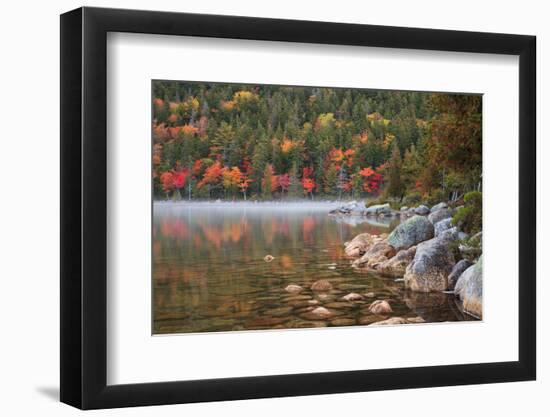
[[235, 141]]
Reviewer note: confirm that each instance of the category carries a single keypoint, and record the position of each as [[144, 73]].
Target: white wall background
[[29, 213]]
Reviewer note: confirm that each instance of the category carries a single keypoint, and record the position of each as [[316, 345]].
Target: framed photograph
[[257, 208]]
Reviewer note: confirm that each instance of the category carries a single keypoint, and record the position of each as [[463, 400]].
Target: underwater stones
[[380, 307], [293, 289], [342, 322], [321, 286], [352, 296]]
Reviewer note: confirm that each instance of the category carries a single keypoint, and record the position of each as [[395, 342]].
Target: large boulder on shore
[[457, 271], [352, 208], [411, 232], [439, 206], [432, 264], [469, 288], [422, 210], [438, 215], [378, 253], [361, 243], [378, 209], [442, 225], [396, 266]]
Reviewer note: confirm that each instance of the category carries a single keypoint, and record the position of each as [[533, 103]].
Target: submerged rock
[[411, 232], [377, 254], [293, 289], [380, 307], [321, 286], [438, 215], [369, 319], [353, 296], [432, 264], [457, 271], [396, 266], [469, 288], [342, 322], [390, 321], [321, 312]]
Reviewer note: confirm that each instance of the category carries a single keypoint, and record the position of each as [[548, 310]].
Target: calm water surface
[[209, 272]]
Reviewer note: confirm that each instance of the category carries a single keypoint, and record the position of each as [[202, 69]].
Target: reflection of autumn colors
[[209, 270]]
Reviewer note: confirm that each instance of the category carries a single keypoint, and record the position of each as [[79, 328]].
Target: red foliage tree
[[167, 181], [309, 186], [212, 175]]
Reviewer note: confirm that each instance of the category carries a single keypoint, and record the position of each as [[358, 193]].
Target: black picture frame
[[84, 207]]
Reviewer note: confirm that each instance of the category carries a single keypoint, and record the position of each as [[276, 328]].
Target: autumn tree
[[232, 178], [212, 177]]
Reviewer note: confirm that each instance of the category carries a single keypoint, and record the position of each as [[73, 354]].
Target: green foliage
[[412, 199], [395, 185], [469, 217]]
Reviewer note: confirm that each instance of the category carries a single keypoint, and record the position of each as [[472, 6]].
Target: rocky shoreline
[[426, 250]]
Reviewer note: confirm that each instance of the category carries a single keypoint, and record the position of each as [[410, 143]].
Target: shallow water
[[209, 272]]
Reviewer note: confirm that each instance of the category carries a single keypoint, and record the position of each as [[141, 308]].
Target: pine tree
[[295, 189], [395, 184], [266, 183]]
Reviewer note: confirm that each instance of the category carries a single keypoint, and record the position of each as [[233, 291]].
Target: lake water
[[209, 272]]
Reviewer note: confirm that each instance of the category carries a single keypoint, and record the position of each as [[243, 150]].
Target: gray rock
[[378, 209], [396, 266], [439, 206], [411, 232], [352, 208], [450, 234], [432, 264], [457, 271], [422, 210], [469, 288], [442, 225], [438, 215], [404, 208]]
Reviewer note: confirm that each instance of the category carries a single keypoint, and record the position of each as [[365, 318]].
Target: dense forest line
[[273, 142]]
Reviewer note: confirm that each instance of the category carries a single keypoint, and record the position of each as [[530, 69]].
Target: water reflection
[[209, 272]]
